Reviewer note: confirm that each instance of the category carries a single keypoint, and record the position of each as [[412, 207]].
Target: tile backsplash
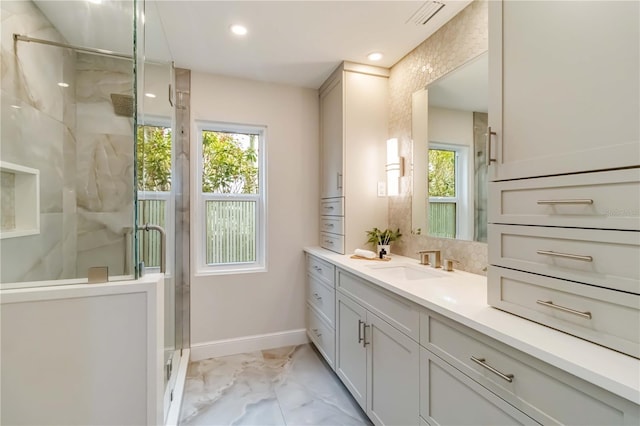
[[461, 39]]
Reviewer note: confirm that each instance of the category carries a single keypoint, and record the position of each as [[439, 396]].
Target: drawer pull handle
[[482, 363], [566, 255], [328, 225], [317, 296], [329, 207], [360, 338], [315, 331], [328, 242], [568, 201], [550, 304]]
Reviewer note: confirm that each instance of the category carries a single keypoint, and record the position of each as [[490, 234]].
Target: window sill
[[229, 271]]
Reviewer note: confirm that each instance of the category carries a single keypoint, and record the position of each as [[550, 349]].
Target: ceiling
[[292, 42]]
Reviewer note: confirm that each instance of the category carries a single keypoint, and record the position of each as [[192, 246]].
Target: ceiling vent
[[426, 12]]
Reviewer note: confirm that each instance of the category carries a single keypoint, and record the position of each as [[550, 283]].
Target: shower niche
[[20, 205]]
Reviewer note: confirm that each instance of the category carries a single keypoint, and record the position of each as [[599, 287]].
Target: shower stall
[[90, 175]]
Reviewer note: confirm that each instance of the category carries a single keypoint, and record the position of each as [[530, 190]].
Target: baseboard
[[240, 345]]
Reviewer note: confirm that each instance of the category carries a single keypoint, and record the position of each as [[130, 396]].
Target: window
[[230, 189], [447, 190], [153, 175]]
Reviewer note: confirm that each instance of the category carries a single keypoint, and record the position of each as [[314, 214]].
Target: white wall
[[237, 306]]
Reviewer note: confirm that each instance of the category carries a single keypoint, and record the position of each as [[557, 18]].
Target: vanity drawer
[[608, 317], [322, 270], [332, 224], [322, 297], [322, 335], [332, 242], [543, 392], [448, 397], [399, 312], [332, 206], [598, 257], [603, 200]]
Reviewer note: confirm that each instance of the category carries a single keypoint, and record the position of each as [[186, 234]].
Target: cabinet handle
[[329, 207], [364, 335], [489, 134], [315, 331], [550, 304], [360, 338], [328, 242], [566, 255], [328, 225], [317, 296], [567, 201], [339, 181], [481, 362]]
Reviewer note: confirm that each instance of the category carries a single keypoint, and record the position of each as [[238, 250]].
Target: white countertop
[[462, 297]]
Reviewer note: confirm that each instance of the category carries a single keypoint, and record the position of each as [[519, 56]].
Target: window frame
[[199, 244], [461, 184]]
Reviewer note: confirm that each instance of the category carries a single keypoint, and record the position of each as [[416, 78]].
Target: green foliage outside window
[[442, 173], [154, 158], [229, 163]]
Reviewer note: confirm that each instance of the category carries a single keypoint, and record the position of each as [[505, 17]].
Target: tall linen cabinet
[[564, 216], [353, 134]]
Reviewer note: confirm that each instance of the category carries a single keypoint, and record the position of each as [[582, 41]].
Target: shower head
[[122, 105]]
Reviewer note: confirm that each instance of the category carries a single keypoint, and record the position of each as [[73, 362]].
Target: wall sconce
[[394, 167]]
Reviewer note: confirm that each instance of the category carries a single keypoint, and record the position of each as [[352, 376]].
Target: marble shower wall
[[104, 165], [480, 124], [35, 134], [461, 39], [83, 151]]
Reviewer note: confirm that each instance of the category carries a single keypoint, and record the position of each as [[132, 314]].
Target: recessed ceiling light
[[150, 95], [16, 106], [239, 29], [63, 84], [95, 1], [375, 56]]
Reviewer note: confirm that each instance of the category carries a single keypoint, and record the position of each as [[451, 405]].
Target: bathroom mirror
[[449, 124]]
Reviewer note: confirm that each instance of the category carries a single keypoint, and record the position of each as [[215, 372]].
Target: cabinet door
[[393, 364], [448, 397], [565, 94], [351, 354], [331, 138]]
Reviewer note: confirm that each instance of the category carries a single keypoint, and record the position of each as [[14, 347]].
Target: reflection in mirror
[[449, 122]]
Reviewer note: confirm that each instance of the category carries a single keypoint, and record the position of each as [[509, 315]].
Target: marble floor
[[285, 386]]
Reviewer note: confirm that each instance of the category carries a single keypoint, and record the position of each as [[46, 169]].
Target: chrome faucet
[[425, 258]]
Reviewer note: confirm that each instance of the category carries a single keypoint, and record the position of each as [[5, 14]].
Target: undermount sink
[[408, 272]]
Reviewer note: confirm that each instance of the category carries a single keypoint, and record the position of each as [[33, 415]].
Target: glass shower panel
[[155, 175], [156, 207], [67, 140]]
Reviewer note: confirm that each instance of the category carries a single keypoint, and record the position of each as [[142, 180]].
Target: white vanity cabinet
[[320, 314], [564, 196], [433, 353], [563, 95], [377, 362], [497, 384], [353, 131]]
